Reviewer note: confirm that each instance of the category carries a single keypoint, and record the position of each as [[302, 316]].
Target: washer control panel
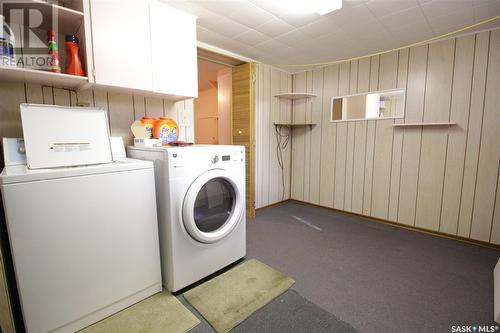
[[214, 159]]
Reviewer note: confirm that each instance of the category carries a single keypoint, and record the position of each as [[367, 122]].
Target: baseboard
[[395, 224], [273, 204]]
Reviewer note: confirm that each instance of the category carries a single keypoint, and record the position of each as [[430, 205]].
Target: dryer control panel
[[227, 158]]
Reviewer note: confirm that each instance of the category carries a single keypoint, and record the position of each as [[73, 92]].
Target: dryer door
[[213, 206]]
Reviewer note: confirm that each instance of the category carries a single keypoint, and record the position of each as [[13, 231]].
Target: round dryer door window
[[213, 206]]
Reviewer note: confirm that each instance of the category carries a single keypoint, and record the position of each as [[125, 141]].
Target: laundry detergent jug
[[166, 130], [149, 124]]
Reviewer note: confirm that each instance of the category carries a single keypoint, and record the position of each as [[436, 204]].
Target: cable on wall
[[426, 41], [282, 140]]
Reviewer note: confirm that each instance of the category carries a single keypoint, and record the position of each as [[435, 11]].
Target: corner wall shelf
[[295, 95], [424, 124]]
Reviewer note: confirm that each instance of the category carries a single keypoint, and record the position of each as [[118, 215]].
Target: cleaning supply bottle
[[149, 123], [55, 61], [166, 130], [73, 61], [7, 44]]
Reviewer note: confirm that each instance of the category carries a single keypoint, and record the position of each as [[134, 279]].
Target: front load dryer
[[201, 209]]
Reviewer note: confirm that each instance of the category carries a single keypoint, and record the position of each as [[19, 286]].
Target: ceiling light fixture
[[321, 7]]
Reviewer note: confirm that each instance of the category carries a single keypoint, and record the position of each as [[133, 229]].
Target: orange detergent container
[[166, 130], [149, 124]]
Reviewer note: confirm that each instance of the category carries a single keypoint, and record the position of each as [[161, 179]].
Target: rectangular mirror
[[373, 105]]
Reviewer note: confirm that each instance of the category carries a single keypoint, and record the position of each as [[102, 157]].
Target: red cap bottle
[[55, 61]]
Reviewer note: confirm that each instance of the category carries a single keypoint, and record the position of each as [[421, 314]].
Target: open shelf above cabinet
[[295, 95], [63, 21], [69, 20], [295, 124], [58, 80]]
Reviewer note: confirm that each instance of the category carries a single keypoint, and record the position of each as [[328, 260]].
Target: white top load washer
[[201, 209], [84, 239]]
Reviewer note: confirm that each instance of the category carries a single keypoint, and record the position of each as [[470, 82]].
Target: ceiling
[[269, 32], [207, 71]]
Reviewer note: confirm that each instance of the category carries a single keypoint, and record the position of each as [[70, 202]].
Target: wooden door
[[243, 124]]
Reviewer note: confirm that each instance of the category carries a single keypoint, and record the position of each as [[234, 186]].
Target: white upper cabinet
[[121, 43], [144, 45], [173, 50]]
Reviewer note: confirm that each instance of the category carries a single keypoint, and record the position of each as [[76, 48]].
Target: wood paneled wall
[[243, 125], [442, 179], [268, 185], [122, 108]]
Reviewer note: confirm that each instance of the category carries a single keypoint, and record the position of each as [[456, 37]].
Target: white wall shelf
[[295, 124], [58, 80], [424, 124], [295, 95]]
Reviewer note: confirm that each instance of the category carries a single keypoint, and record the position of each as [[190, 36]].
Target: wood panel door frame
[[243, 124]]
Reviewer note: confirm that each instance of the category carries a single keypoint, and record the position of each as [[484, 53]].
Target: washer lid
[[213, 206], [60, 136]]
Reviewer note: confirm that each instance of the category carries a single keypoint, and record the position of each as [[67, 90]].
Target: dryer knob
[[215, 159]]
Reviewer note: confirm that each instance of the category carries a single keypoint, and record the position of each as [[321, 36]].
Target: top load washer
[[83, 230], [201, 209]]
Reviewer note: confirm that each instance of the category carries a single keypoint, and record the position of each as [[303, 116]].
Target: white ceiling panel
[[321, 27], [299, 20], [252, 37], [270, 45], [442, 7], [382, 8], [275, 27], [291, 38], [250, 15], [451, 21], [269, 31], [486, 9], [226, 27]]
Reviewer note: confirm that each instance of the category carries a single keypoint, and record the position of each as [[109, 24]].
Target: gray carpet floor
[[289, 312], [376, 277]]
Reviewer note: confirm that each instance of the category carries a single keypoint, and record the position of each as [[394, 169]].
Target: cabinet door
[[121, 43], [174, 55]]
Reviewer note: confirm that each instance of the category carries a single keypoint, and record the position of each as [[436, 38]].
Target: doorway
[[224, 110], [213, 105]]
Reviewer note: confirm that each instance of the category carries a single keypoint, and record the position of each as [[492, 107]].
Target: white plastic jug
[[7, 44]]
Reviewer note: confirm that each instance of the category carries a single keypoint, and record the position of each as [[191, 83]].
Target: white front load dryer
[[201, 209]]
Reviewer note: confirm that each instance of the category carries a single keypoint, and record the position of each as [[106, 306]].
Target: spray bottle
[[7, 44]]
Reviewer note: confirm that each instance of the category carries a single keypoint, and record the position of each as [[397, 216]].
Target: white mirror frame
[[366, 93]]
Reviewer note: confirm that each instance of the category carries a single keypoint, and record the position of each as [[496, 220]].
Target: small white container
[[147, 142]]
